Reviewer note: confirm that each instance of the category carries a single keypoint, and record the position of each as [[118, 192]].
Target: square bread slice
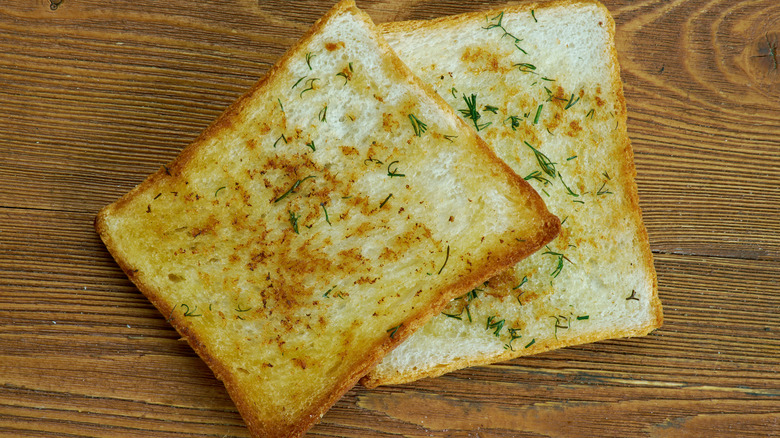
[[326, 215], [541, 83]]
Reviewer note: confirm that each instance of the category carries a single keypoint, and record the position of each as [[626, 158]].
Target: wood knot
[[55, 4], [761, 59]]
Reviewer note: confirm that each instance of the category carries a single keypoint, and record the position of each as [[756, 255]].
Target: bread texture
[[542, 84], [326, 215]]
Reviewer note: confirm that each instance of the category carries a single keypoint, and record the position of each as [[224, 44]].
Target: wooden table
[[95, 95]]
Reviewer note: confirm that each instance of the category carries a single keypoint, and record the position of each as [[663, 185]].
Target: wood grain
[[94, 96]]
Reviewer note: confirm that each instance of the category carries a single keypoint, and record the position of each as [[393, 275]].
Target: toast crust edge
[[548, 230]]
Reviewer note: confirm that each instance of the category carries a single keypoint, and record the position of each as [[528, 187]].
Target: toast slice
[[326, 215], [541, 83]]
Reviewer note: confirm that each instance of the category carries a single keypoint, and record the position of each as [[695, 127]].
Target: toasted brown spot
[[334, 46]]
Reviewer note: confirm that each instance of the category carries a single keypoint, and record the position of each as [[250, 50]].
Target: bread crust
[[627, 181], [548, 229]]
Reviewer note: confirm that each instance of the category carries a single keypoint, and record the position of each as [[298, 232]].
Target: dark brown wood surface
[[96, 95]]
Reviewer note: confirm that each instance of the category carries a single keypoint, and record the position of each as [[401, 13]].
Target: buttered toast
[[541, 84], [325, 216]]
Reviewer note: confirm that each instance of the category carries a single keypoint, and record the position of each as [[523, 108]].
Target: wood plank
[[105, 363], [94, 97], [79, 130]]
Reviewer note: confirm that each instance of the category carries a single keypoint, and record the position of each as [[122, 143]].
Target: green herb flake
[[292, 189], [281, 138], [583, 317], [472, 113], [538, 113], [393, 330], [392, 172], [547, 166], [602, 190], [571, 101], [385, 201], [294, 220], [418, 126], [533, 15], [525, 67], [309, 56], [323, 114], [496, 22], [446, 258], [568, 190], [309, 85], [533, 341], [490, 109], [190, 312], [327, 219], [496, 326], [524, 281]]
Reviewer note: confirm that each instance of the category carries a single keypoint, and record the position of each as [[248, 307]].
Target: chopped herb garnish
[[496, 23], [446, 258], [298, 82], [571, 102], [450, 138], [455, 315], [515, 122], [590, 113], [309, 85], [524, 281], [632, 296], [239, 309], [568, 190], [603, 191], [282, 138], [323, 113], [309, 56], [571, 158], [453, 91], [328, 292], [525, 67], [280, 104], [497, 325], [392, 172], [418, 126], [190, 312], [533, 341], [534, 16], [327, 219], [583, 317], [393, 330], [606, 175], [547, 166], [578, 201], [372, 160], [513, 334], [559, 266], [471, 112], [385, 201], [311, 145], [490, 108], [538, 113], [292, 189], [294, 220], [215, 193]]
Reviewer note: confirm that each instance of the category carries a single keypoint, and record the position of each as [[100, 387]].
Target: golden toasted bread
[[326, 215], [541, 83]]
